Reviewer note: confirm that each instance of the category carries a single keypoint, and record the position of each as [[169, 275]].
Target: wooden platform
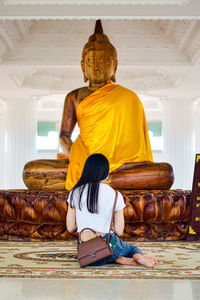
[[40, 215]]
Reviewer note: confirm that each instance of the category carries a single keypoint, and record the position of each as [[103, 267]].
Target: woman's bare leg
[[126, 261], [146, 261], [138, 259]]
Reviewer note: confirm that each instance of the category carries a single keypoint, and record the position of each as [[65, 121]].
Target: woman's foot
[[146, 261], [126, 261]]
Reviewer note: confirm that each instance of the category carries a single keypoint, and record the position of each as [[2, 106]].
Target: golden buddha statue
[[112, 122]]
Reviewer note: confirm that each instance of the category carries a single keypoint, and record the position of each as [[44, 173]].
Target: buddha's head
[[99, 58]]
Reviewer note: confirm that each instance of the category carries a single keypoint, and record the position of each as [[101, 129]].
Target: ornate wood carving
[[149, 215], [194, 228]]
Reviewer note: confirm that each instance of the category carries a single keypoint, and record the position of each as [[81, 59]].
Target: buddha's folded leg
[[142, 175], [51, 174], [46, 174]]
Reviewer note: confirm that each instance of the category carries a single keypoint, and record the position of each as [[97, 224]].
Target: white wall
[[2, 145], [178, 132], [20, 129], [196, 113]]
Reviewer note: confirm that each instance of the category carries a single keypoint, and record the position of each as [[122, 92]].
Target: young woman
[[90, 205]]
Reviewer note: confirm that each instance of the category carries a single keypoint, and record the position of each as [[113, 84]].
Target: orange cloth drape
[[112, 122]]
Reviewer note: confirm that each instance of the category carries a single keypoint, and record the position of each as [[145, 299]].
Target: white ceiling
[[156, 57], [79, 2], [104, 9]]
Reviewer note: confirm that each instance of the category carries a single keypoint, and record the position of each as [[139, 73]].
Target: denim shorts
[[120, 248]]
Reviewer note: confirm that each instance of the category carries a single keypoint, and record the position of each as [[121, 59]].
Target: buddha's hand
[[66, 144]]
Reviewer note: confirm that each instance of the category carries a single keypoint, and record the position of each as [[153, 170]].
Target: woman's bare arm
[[119, 222], [71, 219]]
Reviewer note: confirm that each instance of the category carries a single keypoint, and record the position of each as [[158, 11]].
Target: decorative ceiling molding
[[151, 105], [148, 81], [51, 102], [186, 35], [93, 2], [44, 56], [45, 80], [139, 43], [9, 36], [55, 102], [58, 80], [11, 32], [3, 48], [192, 48]]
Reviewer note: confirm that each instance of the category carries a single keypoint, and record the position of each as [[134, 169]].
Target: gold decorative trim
[[198, 158], [191, 231]]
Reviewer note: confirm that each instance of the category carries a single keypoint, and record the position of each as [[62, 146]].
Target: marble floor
[[82, 289]]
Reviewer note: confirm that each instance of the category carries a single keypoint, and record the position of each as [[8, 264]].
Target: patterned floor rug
[[177, 260]]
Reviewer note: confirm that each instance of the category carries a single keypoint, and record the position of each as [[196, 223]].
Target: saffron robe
[[112, 122]]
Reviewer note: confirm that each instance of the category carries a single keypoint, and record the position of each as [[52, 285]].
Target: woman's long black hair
[[96, 168]]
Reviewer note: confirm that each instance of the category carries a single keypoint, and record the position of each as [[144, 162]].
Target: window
[[155, 135], [47, 136]]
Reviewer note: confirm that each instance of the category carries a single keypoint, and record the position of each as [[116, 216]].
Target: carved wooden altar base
[[40, 215]]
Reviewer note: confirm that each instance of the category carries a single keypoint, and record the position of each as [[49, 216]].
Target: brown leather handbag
[[96, 248]]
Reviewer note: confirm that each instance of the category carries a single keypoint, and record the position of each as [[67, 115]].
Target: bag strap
[[112, 217], [87, 228], [113, 210]]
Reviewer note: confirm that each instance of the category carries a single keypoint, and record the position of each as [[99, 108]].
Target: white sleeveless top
[[101, 221]]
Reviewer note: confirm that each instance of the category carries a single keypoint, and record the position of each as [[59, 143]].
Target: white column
[[2, 145], [21, 128], [196, 110], [178, 133]]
